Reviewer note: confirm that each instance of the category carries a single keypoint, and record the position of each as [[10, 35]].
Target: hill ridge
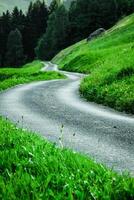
[[109, 60]]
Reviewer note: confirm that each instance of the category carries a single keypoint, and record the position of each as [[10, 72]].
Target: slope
[[109, 61], [37, 169]]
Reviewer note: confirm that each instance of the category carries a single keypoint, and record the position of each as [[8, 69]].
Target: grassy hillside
[[32, 168], [110, 62]]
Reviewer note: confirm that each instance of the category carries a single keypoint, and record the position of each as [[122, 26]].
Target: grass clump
[[32, 168], [30, 72], [109, 61]]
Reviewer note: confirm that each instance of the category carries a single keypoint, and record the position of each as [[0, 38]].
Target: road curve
[[104, 134]]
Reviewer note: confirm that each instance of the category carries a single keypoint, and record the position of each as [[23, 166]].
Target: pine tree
[[56, 34], [125, 7], [36, 23], [54, 5], [88, 15], [73, 31], [17, 19], [5, 27], [14, 55], [107, 13]]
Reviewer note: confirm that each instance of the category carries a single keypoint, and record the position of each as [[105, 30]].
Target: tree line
[[43, 31], [19, 33]]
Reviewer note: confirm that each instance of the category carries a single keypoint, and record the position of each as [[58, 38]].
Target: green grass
[[10, 77], [32, 168], [110, 62]]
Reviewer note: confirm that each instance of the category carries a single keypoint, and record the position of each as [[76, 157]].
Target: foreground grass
[[110, 62], [30, 72], [32, 168]]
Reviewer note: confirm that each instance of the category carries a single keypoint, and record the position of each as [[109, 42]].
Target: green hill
[[110, 62], [39, 170]]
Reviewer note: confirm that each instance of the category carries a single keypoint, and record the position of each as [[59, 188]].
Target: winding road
[[100, 132]]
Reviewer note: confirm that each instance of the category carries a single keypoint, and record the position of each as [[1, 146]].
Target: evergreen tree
[[14, 55], [5, 27], [73, 30], [87, 16], [56, 34], [124, 7], [54, 5], [36, 23], [62, 28], [17, 19], [107, 13]]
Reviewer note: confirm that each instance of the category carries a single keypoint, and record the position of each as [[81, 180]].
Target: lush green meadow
[[32, 168], [10, 77], [110, 62]]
